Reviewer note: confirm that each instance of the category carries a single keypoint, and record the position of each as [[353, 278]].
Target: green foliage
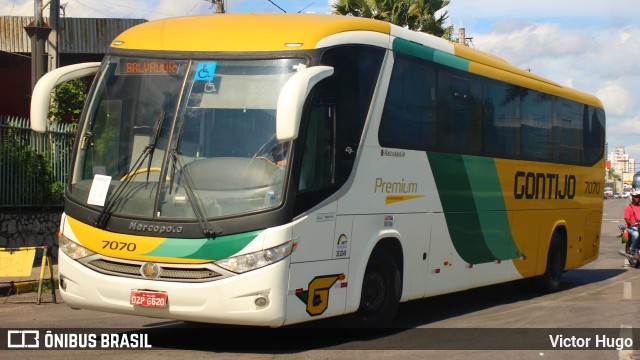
[[34, 171], [417, 15], [68, 101]]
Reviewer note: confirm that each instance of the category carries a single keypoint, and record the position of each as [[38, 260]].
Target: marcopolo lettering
[[533, 185], [160, 229]]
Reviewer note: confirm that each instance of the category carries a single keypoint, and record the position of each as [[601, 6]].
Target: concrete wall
[[30, 227]]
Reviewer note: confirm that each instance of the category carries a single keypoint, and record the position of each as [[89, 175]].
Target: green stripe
[[474, 209], [459, 207], [427, 53], [492, 212], [204, 249], [411, 48]]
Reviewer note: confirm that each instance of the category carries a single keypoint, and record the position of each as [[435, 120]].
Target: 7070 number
[[592, 187], [118, 245]]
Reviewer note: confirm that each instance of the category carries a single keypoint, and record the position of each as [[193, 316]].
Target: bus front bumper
[[231, 300]]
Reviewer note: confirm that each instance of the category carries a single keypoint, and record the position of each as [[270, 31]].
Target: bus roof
[[242, 32], [252, 32]]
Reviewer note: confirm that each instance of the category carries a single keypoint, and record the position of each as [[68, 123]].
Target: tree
[[417, 15], [68, 101]]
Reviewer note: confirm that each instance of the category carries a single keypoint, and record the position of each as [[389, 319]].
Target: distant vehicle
[[626, 194], [617, 195]]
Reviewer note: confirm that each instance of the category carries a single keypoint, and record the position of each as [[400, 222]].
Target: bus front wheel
[[381, 291]]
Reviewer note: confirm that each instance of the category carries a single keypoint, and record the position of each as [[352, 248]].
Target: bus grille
[[168, 273]]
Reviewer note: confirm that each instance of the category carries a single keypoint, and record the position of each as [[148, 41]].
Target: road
[[600, 295]]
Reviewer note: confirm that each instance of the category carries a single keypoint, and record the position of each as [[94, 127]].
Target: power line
[[12, 5], [124, 6], [276, 5]]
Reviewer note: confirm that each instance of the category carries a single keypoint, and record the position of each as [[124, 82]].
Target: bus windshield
[[171, 138]]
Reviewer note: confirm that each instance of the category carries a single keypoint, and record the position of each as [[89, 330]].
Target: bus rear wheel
[[550, 281], [381, 291]]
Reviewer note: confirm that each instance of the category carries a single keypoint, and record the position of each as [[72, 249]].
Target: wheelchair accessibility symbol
[[205, 71]]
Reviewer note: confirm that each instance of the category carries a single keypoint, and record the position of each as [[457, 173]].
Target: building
[[80, 40], [621, 164]]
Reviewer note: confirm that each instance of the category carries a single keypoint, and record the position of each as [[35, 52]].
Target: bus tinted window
[[482, 116], [409, 112], [459, 113]]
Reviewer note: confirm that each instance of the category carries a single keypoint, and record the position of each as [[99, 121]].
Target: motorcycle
[[633, 260]]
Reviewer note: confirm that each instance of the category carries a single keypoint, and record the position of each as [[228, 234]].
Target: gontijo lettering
[[530, 185]]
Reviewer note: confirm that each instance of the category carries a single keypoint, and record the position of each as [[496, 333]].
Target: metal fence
[[33, 166]]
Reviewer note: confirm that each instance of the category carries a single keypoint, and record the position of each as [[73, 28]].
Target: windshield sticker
[[99, 189], [212, 87], [205, 71]]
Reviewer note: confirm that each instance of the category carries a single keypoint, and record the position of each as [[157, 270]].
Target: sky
[[589, 45]]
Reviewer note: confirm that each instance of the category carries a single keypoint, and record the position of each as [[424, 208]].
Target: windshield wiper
[[197, 206], [105, 214]]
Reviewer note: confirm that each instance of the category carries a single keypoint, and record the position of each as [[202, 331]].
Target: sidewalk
[[26, 284]]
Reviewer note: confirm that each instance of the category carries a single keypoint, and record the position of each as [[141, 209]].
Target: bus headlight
[[256, 260], [73, 249]]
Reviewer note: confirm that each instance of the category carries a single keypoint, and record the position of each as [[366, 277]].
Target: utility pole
[[54, 20], [219, 5], [38, 31], [461, 36]]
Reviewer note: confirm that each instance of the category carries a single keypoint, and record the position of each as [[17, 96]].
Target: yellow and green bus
[[272, 169]]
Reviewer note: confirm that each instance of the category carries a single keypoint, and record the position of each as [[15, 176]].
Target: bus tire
[[380, 295], [556, 257]]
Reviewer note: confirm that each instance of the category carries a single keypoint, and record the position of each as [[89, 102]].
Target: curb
[[18, 287], [22, 287]]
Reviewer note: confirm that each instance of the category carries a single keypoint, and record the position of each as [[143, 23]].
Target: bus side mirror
[[292, 98], [41, 97]]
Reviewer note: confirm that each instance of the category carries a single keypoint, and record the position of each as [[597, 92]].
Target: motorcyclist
[[632, 218]]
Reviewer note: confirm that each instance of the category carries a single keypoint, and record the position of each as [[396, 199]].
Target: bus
[[272, 169]]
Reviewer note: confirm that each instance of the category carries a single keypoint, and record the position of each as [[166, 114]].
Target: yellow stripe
[[117, 245], [242, 32], [497, 68], [533, 221], [391, 199], [536, 83]]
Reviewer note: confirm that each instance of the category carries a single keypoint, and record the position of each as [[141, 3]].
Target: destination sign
[[148, 67]]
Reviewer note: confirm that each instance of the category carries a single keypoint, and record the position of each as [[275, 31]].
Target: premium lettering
[[395, 187]]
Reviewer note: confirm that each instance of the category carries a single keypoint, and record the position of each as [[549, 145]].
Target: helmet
[[635, 192]]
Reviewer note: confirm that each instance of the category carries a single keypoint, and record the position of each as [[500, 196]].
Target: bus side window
[[460, 115], [318, 160], [409, 119]]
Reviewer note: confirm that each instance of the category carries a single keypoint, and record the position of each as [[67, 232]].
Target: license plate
[[153, 299]]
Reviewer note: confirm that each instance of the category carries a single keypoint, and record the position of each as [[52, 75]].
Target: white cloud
[[617, 99], [521, 42], [468, 10]]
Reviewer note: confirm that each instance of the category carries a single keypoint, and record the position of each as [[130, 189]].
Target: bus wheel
[[381, 290], [550, 281]]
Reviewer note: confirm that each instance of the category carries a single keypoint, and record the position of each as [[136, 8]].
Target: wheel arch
[[558, 229], [389, 242]]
